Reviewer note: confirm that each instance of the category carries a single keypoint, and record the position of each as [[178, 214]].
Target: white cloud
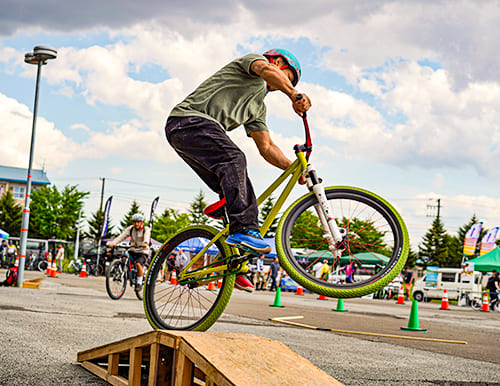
[[52, 148]]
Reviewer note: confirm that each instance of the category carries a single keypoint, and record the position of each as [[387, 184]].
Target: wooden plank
[[119, 346], [237, 359], [169, 338], [183, 370], [31, 284], [154, 360], [113, 362], [102, 373], [135, 362]]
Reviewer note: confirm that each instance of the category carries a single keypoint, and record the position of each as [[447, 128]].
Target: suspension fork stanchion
[[323, 209]]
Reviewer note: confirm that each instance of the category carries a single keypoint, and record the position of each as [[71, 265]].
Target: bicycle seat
[[216, 210]]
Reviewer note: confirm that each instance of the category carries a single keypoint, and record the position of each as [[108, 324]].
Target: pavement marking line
[[286, 320]]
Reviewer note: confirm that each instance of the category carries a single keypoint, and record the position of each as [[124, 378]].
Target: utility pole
[[433, 207], [102, 192]]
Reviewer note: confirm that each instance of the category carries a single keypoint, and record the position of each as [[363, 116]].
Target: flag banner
[[471, 238], [488, 241], [153, 208], [105, 222]]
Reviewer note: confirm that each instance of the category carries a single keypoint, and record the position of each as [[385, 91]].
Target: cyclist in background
[[139, 245], [234, 96]]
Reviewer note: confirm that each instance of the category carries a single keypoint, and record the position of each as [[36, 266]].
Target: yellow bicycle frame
[[295, 170]]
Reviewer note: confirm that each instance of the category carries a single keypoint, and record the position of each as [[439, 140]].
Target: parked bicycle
[[338, 220], [73, 266], [118, 273], [466, 300]]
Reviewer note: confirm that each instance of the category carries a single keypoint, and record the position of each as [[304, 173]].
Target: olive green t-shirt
[[233, 96]]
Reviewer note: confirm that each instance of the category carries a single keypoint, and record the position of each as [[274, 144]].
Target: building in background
[[14, 179]]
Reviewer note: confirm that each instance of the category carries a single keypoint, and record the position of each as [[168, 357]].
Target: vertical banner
[[153, 208], [105, 222], [471, 238], [488, 241]]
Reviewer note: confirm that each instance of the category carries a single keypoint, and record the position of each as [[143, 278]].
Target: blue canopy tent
[[196, 244], [4, 235]]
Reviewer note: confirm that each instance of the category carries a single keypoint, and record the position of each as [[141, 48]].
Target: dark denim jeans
[[205, 146]]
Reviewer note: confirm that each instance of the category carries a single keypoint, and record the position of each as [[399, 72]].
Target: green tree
[[196, 209], [11, 214], [434, 247], [266, 208], [54, 213], [169, 223], [95, 226], [308, 233], [412, 259], [127, 219]]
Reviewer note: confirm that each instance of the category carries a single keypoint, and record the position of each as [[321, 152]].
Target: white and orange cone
[[49, 267], [83, 272], [445, 305], [173, 278], [53, 271], [486, 304], [401, 296]]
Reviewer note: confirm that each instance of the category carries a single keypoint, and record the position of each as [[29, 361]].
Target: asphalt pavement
[[44, 329]]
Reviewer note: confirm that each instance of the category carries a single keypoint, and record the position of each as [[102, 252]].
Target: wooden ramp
[[201, 358]]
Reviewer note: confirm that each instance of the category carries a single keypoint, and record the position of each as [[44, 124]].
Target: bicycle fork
[[333, 234]]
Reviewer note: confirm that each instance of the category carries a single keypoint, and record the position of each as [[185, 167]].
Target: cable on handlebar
[[308, 144]]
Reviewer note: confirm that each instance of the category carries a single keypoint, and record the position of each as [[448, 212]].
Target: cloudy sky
[[406, 96]]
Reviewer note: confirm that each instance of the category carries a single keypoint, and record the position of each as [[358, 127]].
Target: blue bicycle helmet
[[292, 61]]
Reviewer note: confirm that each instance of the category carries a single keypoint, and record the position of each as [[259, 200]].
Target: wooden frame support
[[183, 358]]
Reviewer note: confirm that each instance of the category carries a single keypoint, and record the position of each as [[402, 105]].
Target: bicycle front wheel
[[191, 304], [376, 243], [116, 280]]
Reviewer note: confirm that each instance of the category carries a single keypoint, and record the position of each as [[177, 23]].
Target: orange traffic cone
[[219, 283], [49, 267], [322, 297], [300, 290], [53, 272], [83, 272], [401, 296], [173, 278], [211, 286], [16, 263], [486, 304], [445, 305]]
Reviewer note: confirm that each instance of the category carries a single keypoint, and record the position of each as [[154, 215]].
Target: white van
[[454, 280]]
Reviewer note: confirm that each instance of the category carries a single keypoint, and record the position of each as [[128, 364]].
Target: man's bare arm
[[271, 152]]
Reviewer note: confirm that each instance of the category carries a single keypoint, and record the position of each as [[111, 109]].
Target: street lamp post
[[39, 56]]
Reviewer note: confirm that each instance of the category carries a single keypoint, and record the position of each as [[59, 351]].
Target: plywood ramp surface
[[202, 358]]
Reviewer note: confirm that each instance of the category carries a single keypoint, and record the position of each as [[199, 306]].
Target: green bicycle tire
[[222, 297], [383, 208]]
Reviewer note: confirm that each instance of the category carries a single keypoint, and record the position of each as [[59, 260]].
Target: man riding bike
[[234, 96], [139, 245]]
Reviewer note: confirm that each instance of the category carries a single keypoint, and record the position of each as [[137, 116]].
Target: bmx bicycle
[[344, 223]]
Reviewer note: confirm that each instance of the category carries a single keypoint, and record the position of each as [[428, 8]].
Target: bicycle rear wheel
[[188, 305], [376, 243], [116, 280]]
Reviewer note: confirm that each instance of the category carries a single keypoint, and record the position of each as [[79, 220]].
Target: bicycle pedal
[[248, 250], [234, 262]]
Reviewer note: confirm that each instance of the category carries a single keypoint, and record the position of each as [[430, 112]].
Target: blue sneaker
[[251, 239]]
